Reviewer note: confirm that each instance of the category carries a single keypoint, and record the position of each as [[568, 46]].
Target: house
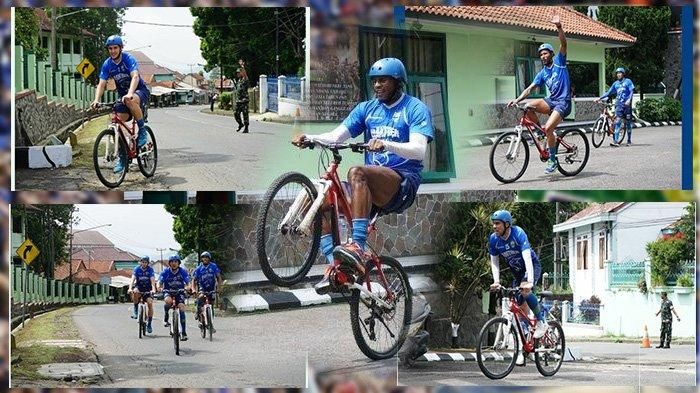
[[69, 47]]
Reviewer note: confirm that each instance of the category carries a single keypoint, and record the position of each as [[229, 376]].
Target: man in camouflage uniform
[[666, 320], [241, 95]]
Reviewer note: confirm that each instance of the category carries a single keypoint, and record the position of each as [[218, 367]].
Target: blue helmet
[[205, 254], [502, 215], [546, 46], [174, 258], [114, 40], [621, 69], [389, 66], [145, 258]]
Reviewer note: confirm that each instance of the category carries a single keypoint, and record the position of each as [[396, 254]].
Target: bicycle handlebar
[[356, 147]]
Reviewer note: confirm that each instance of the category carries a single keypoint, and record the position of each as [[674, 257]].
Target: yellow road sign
[[28, 251], [85, 68]]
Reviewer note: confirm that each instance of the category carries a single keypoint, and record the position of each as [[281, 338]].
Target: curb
[[489, 139], [52, 156], [298, 298], [571, 355]]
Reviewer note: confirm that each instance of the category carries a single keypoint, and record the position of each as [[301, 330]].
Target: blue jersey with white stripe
[[121, 73], [143, 278], [206, 276], [393, 122], [623, 89], [556, 77], [174, 280], [511, 249]]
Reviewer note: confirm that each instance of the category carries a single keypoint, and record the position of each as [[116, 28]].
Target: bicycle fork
[[513, 150], [305, 225]]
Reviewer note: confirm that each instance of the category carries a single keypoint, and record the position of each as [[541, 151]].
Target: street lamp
[[54, 19], [70, 250], [140, 47]]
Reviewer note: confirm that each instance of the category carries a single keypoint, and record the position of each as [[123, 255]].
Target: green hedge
[[225, 101], [659, 109]]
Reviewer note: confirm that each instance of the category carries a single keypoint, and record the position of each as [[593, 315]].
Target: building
[[69, 47]]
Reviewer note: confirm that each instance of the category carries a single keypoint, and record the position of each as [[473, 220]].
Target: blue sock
[[150, 319], [166, 308], [327, 247], [140, 123], [629, 132], [182, 321], [531, 300], [553, 153], [136, 308], [359, 231]]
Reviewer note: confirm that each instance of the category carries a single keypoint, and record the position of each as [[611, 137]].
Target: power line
[[138, 22]]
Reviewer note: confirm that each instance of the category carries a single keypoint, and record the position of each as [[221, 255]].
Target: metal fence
[[687, 267], [585, 313], [629, 273], [292, 88], [40, 289], [272, 88]]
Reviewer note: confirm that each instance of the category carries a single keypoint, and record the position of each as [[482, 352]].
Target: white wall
[[593, 280]]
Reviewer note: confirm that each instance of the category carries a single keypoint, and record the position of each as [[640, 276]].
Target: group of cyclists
[[206, 280]]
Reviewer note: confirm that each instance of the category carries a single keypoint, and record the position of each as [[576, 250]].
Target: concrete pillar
[[58, 82], [19, 68], [48, 78], [31, 71], [41, 76], [280, 88], [303, 89], [565, 312], [65, 89], [263, 93]]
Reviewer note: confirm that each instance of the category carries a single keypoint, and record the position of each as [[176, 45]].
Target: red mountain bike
[[510, 154], [605, 125], [288, 236], [120, 137]]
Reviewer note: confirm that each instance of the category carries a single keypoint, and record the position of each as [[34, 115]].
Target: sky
[[172, 47], [136, 228]]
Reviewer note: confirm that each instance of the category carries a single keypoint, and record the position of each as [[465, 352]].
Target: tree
[[27, 31], [49, 230], [686, 226], [230, 34], [644, 59]]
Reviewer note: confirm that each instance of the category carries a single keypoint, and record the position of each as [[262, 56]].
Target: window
[[582, 252], [527, 65], [584, 79], [76, 47], [602, 249], [45, 42], [17, 224], [66, 46]]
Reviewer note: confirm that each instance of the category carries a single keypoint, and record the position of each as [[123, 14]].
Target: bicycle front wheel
[[285, 253], [600, 129], [509, 158], [210, 324], [572, 152], [623, 131], [176, 330], [203, 325], [148, 158], [497, 349], [105, 156], [142, 326], [549, 350], [380, 329]]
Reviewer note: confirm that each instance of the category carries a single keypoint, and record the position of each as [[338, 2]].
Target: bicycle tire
[[492, 164], [623, 131], [358, 325], [176, 330], [141, 323], [483, 339], [210, 323], [145, 172], [539, 360], [96, 159], [600, 129], [262, 241], [583, 144], [202, 325]]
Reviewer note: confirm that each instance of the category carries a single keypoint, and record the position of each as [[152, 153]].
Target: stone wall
[[672, 67], [497, 116], [37, 118]]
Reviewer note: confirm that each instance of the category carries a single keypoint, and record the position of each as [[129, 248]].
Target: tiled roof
[[90, 238], [532, 17], [103, 254], [121, 272], [87, 276], [45, 22], [62, 271], [596, 209]]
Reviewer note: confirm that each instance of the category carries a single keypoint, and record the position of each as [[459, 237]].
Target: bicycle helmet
[[621, 69], [389, 66], [205, 254], [174, 258], [145, 258], [502, 215], [546, 46], [114, 40]]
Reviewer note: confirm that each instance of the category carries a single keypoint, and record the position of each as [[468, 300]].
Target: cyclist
[[623, 88], [397, 128], [205, 278], [555, 76], [143, 284], [174, 279], [134, 94], [510, 242]]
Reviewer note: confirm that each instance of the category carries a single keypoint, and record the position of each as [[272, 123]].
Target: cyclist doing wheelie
[[132, 90], [143, 284], [510, 242], [205, 278], [555, 76], [397, 128], [623, 88], [174, 279]]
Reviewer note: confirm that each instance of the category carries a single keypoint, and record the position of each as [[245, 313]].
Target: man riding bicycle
[[623, 88], [510, 242], [143, 284], [555, 76], [205, 278], [133, 93], [174, 279], [397, 128]]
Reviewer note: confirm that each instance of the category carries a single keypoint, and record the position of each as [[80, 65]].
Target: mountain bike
[[605, 125], [175, 317], [288, 236], [500, 338], [142, 314], [118, 139], [572, 149], [206, 316]]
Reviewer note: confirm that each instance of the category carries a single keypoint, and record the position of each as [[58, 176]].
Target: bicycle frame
[[129, 136], [515, 314], [531, 127], [207, 304]]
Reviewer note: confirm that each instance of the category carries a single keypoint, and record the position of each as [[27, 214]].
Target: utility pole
[[557, 267], [277, 43], [52, 45], [161, 252]]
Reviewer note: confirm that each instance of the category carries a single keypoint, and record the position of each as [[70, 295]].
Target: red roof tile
[[597, 209], [87, 276], [532, 17], [90, 238], [62, 271], [45, 22]]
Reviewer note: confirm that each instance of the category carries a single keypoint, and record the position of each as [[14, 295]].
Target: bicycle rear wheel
[[149, 159], [284, 253], [550, 349], [572, 152], [105, 157], [380, 331], [509, 159], [497, 349], [176, 330], [600, 129], [210, 324]]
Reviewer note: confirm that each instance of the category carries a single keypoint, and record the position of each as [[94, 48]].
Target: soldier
[[241, 96], [666, 320]]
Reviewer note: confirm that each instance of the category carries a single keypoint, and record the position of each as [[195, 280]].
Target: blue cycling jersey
[[556, 77], [393, 122], [143, 278], [206, 276], [623, 89], [121, 73], [511, 249], [174, 280]]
